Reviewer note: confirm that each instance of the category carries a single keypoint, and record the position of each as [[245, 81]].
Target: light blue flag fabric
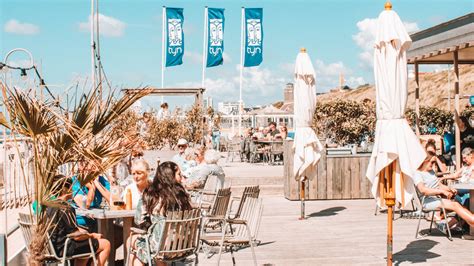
[[253, 37], [174, 36], [215, 36]]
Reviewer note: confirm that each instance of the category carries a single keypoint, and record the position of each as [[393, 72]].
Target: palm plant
[[60, 136]]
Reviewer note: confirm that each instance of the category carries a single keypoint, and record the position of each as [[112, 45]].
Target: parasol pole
[[388, 176], [302, 196]]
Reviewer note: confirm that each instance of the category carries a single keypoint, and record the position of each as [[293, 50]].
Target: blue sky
[[337, 35]]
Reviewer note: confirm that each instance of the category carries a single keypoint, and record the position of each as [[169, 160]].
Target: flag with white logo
[[174, 36], [215, 36], [253, 37]]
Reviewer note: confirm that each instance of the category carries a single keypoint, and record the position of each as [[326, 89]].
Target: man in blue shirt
[[88, 196]]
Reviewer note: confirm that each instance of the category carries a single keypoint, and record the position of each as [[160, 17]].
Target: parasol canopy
[[306, 144], [394, 139]]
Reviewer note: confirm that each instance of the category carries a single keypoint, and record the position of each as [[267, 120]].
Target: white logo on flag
[[216, 32], [175, 31], [254, 32]]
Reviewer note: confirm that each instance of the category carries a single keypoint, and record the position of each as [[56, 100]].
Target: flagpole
[[163, 53], [92, 46], [242, 39], [204, 47]]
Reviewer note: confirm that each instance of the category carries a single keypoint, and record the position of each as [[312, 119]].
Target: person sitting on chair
[[199, 177], [140, 172], [164, 194], [440, 165], [64, 224], [428, 184]]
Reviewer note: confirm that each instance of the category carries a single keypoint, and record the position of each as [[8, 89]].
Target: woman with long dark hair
[[165, 194]]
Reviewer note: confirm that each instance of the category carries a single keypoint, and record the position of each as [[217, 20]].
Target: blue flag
[[253, 37], [215, 36], [174, 36]]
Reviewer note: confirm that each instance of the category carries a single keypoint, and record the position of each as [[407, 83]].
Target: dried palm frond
[[3, 121], [83, 114], [30, 117], [112, 109]]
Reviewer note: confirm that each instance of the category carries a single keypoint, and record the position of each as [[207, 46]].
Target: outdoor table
[[105, 220], [470, 187]]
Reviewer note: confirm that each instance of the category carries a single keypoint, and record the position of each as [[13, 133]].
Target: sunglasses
[[181, 146]]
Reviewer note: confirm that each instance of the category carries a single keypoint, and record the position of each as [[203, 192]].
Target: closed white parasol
[[306, 144]]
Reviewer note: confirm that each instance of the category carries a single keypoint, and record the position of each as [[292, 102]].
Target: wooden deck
[[343, 232]]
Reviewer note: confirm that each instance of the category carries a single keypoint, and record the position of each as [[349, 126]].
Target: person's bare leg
[[103, 251], [81, 262], [464, 213]]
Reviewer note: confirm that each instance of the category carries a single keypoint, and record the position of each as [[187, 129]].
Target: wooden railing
[[338, 177]]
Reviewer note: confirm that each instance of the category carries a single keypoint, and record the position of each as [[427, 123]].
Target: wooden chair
[[249, 192], [179, 239], [423, 211], [245, 230], [28, 226], [219, 209]]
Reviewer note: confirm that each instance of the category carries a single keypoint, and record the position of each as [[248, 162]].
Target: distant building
[[207, 102], [288, 98], [228, 108]]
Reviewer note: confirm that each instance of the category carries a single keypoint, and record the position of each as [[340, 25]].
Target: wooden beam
[[417, 100], [456, 109]]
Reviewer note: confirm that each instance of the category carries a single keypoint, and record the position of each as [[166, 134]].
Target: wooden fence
[[338, 177]]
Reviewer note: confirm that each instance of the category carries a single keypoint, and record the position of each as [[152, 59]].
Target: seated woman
[[89, 195], [428, 184], [164, 194], [199, 177], [63, 220], [440, 165], [464, 175], [140, 173]]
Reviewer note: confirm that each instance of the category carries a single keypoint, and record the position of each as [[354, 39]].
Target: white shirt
[[136, 194], [466, 174]]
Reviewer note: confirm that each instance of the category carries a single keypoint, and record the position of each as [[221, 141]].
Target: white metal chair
[[244, 230], [423, 211], [28, 227]]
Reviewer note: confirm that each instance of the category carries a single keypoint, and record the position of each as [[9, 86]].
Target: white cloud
[[108, 26], [16, 27], [365, 38], [227, 58], [193, 56]]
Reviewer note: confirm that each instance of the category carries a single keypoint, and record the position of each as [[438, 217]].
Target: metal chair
[[245, 230], [234, 148], [28, 226], [258, 150], [219, 209], [276, 149], [421, 200], [179, 237], [249, 192]]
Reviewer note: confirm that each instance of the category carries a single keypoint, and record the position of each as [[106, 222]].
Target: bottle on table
[[128, 200]]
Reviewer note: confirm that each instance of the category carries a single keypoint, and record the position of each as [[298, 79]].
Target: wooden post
[[417, 100], [302, 197], [456, 109], [389, 174]]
